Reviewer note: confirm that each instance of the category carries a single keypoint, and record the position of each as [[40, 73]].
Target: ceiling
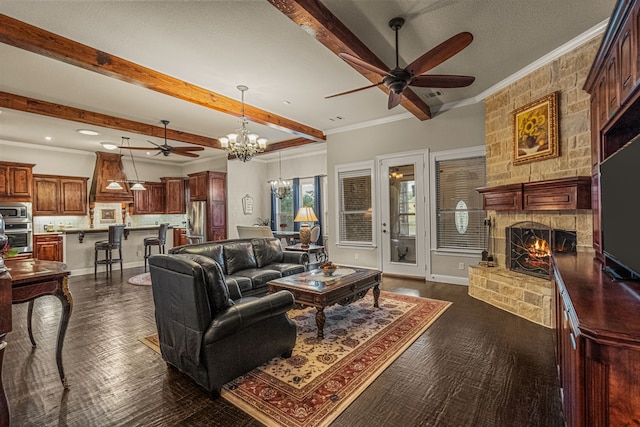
[[217, 45]]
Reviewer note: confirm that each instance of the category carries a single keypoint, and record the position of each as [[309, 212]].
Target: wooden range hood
[[108, 168]]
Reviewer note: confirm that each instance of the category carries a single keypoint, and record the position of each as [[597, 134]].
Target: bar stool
[[155, 241], [115, 242]]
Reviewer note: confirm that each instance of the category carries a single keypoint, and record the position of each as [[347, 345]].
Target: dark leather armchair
[[203, 332]]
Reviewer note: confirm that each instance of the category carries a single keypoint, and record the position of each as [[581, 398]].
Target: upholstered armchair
[[206, 329]]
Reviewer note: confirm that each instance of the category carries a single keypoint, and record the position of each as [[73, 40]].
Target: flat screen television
[[620, 210]]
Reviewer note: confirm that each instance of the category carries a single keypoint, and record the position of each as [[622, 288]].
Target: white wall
[[66, 162], [217, 165], [246, 178], [458, 128], [299, 165]]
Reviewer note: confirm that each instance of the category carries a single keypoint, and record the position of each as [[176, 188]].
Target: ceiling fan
[[167, 149], [398, 79]]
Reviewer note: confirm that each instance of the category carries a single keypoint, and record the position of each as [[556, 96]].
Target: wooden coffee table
[[313, 289]]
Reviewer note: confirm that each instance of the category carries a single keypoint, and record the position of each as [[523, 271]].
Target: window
[[284, 213], [307, 193], [355, 202], [458, 206], [407, 207]]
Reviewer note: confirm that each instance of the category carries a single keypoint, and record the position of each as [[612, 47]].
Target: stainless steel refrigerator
[[196, 222]]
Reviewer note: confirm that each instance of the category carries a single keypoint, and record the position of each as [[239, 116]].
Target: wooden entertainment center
[[597, 327]]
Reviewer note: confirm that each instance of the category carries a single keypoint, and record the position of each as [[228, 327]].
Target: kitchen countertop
[[82, 231]]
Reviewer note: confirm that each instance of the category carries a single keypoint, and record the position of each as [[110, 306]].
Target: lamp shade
[[137, 187], [305, 214], [114, 186]]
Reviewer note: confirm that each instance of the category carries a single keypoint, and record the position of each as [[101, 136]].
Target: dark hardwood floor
[[476, 366]]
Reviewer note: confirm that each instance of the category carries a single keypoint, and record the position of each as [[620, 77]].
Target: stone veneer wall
[[520, 294]]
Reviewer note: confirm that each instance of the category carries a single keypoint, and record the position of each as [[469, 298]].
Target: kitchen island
[[78, 244]]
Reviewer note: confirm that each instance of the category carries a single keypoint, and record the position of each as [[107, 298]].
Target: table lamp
[[305, 215]]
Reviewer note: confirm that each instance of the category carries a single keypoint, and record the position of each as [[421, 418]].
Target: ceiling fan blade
[[136, 148], [441, 80], [394, 99], [157, 145], [176, 149], [357, 61], [440, 53], [185, 153], [352, 90]]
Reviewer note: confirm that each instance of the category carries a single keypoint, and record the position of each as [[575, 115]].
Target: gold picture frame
[[107, 216], [536, 130]]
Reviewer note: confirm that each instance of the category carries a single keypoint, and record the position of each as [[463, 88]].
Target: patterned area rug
[[143, 279], [324, 376]]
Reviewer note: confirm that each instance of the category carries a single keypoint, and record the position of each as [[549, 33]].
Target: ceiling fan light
[[114, 186], [137, 187], [109, 146]]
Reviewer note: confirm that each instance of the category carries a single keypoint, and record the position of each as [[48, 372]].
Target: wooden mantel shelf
[[550, 195]]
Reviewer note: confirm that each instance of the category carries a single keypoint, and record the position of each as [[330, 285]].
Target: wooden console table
[[31, 279], [5, 328]]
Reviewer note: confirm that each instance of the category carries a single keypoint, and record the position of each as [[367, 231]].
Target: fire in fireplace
[[530, 245]]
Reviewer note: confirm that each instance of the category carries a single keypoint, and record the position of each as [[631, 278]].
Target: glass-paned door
[[403, 211]]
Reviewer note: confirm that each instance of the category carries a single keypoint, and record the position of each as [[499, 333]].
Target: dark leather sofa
[[249, 263], [207, 329]]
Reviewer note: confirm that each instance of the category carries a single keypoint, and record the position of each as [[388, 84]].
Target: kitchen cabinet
[[48, 247], [174, 195], [179, 236], [16, 181], [198, 183], [211, 187], [149, 201], [217, 206], [59, 195]]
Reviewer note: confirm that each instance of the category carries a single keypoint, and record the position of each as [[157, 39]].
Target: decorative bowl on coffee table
[[329, 271]]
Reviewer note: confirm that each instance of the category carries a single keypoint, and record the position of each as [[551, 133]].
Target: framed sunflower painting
[[536, 130]]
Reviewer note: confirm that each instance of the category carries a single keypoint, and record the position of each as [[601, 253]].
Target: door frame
[[423, 221]]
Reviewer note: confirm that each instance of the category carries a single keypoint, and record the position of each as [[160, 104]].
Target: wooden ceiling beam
[[44, 108], [281, 145], [332, 33], [33, 39]]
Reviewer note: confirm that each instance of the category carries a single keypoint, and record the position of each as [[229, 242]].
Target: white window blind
[[459, 213], [355, 207]]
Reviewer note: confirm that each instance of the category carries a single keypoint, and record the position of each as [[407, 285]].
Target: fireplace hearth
[[530, 245]]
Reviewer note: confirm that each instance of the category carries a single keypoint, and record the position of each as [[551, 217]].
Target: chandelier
[[137, 184], [280, 188], [242, 143]]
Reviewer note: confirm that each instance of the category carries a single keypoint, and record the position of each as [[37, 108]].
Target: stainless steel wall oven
[[18, 225]]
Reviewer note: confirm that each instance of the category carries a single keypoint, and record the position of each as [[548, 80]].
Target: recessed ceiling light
[[109, 146], [48, 138], [88, 132]]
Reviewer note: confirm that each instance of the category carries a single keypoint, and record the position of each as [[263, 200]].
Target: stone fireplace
[[528, 296], [529, 246]]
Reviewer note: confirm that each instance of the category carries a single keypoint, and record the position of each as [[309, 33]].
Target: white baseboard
[[454, 280], [101, 268]]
